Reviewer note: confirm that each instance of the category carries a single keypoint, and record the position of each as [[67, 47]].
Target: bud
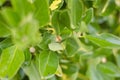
[[32, 49], [104, 60], [58, 39]]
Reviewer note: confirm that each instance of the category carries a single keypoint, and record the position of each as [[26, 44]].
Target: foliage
[[59, 40]]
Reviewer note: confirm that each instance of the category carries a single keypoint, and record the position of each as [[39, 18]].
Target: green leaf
[[55, 46], [88, 15], [83, 27], [109, 7], [22, 7], [4, 28], [76, 9], [16, 77], [94, 74], [48, 63], [4, 31], [31, 71], [28, 57], [42, 12], [64, 19], [59, 71], [11, 60], [65, 33], [72, 68], [0, 51], [11, 17], [105, 40], [109, 69], [72, 46], [52, 78], [71, 71], [6, 43], [60, 20], [46, 39], [117, 58], [102, 52], [56, 23]]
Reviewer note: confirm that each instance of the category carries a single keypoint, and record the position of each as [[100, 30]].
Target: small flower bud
[[58, 39], [32, 49], [104, 60]]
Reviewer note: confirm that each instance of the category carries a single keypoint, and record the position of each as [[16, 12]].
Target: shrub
[[59, 40]]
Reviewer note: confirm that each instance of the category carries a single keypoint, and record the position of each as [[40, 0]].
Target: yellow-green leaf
[[10, 62]]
